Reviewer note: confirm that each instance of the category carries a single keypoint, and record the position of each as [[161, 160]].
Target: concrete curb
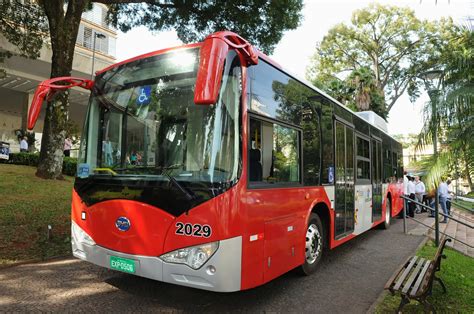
[[382, 294]]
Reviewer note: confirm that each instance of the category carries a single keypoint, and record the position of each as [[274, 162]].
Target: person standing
[[24, 145], [443, 194], [411, 193], [107, 152], [405, 192], [420, 191], [430, 197], [67, 146], [449, 198]]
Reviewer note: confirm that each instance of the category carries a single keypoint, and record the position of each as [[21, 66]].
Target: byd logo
[[122, 224]]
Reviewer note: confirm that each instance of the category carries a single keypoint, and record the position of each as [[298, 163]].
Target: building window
[[96, 15], [85, 39]]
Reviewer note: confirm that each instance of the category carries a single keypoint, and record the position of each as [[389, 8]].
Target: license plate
[[122, 264]]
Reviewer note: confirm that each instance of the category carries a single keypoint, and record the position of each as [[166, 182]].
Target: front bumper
[[226, 261]]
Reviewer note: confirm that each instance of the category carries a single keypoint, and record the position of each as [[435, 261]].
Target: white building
[[23, 75]]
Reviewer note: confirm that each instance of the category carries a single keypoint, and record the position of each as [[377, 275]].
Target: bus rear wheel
[[388, 215], [314, 244]]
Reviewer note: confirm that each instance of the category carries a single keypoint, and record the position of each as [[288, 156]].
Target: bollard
[[405, 203]]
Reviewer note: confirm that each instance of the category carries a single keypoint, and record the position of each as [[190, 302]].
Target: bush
[[31, 159], [27, 159], [69, 166]]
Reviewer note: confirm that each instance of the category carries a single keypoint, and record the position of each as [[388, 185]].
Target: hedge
[[31, 159]]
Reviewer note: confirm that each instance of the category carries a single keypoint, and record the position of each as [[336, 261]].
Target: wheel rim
[[387, 213], [313, 244]]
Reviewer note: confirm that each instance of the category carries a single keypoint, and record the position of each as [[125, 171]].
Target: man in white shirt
[[411, 195], [405, 186], [24, 145], [443, 193], [420, 190]]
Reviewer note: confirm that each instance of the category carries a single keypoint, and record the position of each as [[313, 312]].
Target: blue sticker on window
[[331, 174], [144, 95], [83, 170]]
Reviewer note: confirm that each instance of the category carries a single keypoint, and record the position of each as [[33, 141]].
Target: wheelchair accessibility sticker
[[144, 96]]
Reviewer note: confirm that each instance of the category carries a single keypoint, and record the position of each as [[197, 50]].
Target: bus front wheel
[[313, 245]]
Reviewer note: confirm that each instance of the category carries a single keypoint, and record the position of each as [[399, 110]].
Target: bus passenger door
[[344, 202], [376, 180]]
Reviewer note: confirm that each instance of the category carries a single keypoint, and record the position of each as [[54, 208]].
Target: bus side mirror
[[47, 89], [209, 76], [211, 63]]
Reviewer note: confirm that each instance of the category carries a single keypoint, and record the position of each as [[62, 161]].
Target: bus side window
[[363, 160], [273, 153]]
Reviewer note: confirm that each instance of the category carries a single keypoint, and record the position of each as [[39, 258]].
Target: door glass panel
[[376, 180], [340, 179], [349, 180]]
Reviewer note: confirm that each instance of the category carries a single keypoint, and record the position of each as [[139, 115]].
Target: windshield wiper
[[189, 195]]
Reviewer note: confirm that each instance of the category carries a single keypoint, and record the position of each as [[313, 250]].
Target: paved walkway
[[350, 279], [452, 228]]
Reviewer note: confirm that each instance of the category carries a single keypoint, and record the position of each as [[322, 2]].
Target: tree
[[261, 21], [388, 40], [357, 91], [25, 26], [454, 116]]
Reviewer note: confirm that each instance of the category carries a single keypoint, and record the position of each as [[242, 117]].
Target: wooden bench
[[414, 279]]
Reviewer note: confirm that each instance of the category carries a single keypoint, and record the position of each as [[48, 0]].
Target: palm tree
[[367, 95], [454, 116]]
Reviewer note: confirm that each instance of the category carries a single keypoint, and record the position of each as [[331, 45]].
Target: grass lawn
[[457, 273], [28, 205], [464, 204]]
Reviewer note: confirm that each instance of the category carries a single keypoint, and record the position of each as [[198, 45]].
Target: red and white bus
[[209, 166]]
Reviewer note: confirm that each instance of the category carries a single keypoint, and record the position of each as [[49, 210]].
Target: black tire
[[388, 215], [314, 245]]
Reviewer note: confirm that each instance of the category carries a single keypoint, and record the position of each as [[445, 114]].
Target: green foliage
[[24, 25], [27, 159], [261, 22], [388, 41], [30, 159], [453, 119], [435, 168], [358, 91], [69, 166], [406, 141]]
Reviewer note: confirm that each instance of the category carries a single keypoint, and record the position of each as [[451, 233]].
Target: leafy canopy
[[261, 22], [387, 40], [453, 119]]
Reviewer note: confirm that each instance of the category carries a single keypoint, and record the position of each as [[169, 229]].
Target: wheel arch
[[389, 198], [321, 209]]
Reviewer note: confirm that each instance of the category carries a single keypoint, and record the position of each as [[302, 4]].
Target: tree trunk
[[63, 27]]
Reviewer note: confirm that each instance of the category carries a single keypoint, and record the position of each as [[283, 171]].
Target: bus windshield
[[142, 122]]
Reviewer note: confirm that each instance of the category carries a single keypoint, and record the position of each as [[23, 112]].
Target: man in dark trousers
[[411, 195]]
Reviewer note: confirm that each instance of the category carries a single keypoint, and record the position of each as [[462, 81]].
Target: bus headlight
[[193, 256], [80, 235]]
